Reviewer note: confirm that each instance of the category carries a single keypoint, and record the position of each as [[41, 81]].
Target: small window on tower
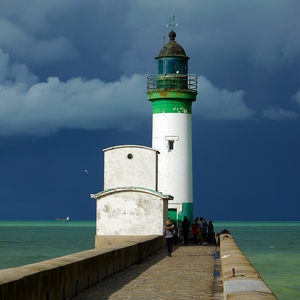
[[170, 142], [171, 145]]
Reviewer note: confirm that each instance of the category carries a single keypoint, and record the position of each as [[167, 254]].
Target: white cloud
[[215, 104], [39, 108], [277, 114], [48, 106]]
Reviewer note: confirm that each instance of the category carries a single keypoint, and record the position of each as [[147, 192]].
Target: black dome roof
[[172, 48]]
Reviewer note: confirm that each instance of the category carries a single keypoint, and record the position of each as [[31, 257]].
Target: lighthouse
[[172, 91]]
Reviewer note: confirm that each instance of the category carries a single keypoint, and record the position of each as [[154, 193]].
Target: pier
[[140, 269], [188, 274]]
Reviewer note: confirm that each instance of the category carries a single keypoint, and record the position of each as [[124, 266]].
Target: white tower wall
[[175, 175]]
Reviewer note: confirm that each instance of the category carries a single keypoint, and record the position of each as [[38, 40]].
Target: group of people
[[203, 233]]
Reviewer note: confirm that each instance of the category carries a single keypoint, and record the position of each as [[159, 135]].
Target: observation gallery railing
[[175, 82]]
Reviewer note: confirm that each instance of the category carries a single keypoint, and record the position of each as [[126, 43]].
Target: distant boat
[[63, 219]]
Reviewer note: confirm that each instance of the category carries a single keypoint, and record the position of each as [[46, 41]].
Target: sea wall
[[240, 279], [66, 276]]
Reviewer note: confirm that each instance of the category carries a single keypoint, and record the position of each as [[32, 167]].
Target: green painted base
[[187, 210]]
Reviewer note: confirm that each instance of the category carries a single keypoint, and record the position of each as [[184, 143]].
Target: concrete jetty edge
[[240, 279], [66, 276]]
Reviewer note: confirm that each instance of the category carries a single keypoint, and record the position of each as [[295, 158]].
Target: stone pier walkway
[[188, 274]]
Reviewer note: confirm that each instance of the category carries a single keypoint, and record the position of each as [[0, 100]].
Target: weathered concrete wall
[[240, 279], [64, 277], [130, 165], [130, 203], [130, 211]]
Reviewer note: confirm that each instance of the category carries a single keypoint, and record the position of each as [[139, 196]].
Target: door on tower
[[172, 214]]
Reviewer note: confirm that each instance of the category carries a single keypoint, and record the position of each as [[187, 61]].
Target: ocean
[[271, 247]]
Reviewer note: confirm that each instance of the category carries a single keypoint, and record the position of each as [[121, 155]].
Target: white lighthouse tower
[[172, 91]]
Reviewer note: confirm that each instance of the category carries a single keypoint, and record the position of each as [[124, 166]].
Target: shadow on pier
[[188, 274]]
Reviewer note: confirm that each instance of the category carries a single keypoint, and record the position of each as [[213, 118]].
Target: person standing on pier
[[168, 234], [185, 230], [175, 235], [195, 231], [211, 233], [200, 237], [204, 230]]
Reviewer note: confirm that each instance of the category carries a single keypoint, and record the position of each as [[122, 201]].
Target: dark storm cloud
[[78, 68], [71, 57], [25, 47]]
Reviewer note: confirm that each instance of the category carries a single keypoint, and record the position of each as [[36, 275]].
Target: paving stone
[[188, 274]]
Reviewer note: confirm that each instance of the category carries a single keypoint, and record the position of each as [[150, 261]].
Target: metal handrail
[[176, 82]]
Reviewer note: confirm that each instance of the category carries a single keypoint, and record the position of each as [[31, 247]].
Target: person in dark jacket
[[185, 230], [211, 233], [175, 235]]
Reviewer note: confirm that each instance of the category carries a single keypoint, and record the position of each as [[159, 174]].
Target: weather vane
[[172, 21]]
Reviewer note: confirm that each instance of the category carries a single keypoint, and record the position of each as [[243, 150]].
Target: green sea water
[[26, 242], [271, 247]]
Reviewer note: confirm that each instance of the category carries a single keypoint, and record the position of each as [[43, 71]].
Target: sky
[[73, 81]]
